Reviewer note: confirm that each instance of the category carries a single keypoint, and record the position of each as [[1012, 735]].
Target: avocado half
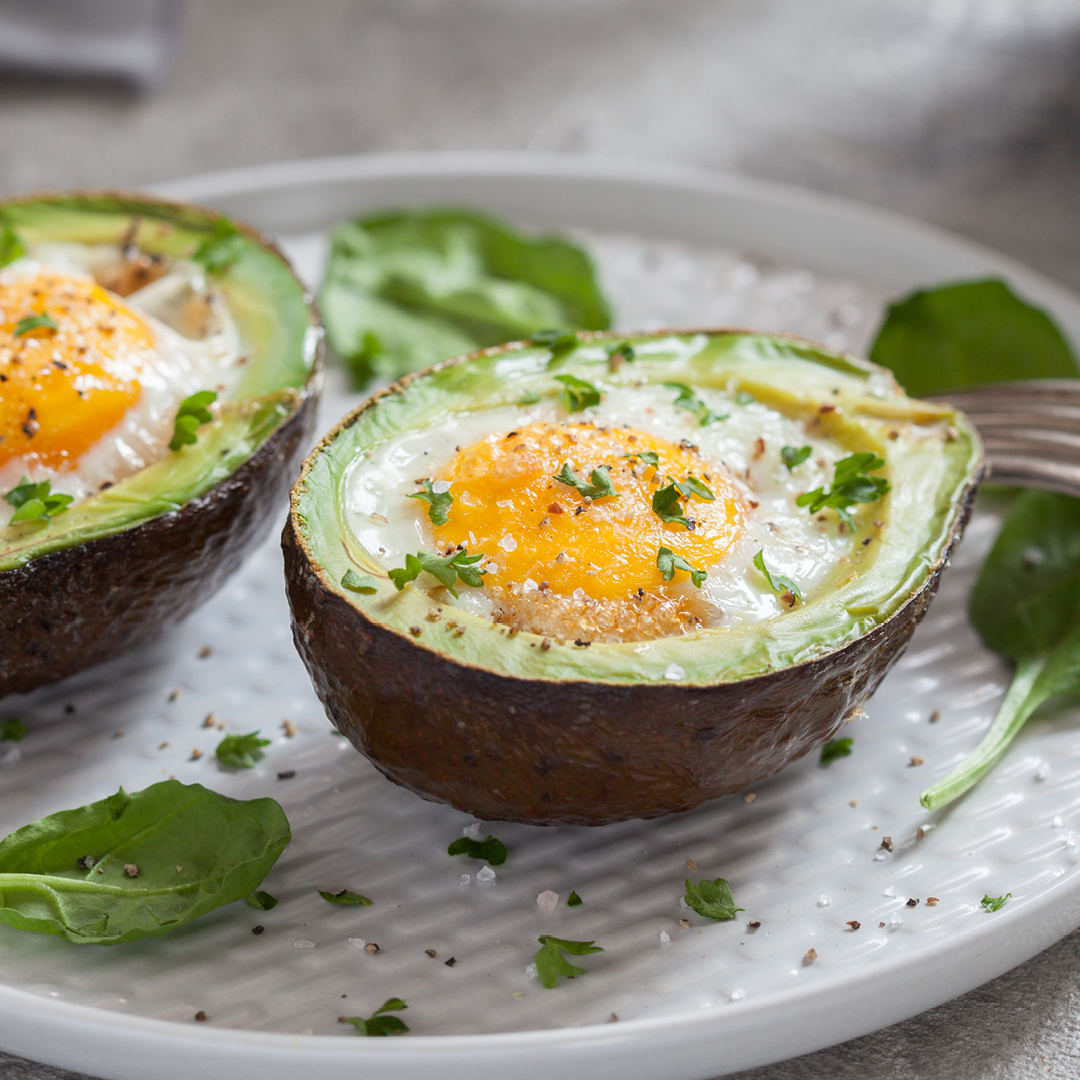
[[493, 724], [112, 572]]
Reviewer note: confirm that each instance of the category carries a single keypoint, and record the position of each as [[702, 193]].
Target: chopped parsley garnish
[[777, 582], [744, 397], [35, 322], [35, 502], [361, 583], [492, 851], [12, 729], [577, 393], [439, 502], [623, 349], [262, 900], [667, 562], [11, 247], [221, 248], [191, 414], [344, 896], [446, 569], [692, 486], [687, 399], [241, 751], [995, 903], [550, 962], [835, 749], [712, 899], [666, 505], [600, 488], [379, 1024], [558, 341], [650, 457], [851, 484], [793, 456], [573, 900]]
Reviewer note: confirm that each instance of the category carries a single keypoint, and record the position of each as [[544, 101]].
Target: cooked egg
[[90, 381], [565, 560]]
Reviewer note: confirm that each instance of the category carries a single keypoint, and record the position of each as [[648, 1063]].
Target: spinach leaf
[[407, 288], [1026, 604], [133, 866], [967, 334]]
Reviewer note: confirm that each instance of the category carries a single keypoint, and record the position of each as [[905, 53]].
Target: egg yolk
[[65, 383], [508, 504]]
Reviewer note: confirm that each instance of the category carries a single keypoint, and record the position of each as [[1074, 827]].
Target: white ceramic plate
[[804, 857]]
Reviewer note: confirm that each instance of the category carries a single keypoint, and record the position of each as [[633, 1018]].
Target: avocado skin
[[572, 753], [70, 609]]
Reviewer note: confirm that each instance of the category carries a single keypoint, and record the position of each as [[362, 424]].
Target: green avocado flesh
[[932, 455], [277, 332]]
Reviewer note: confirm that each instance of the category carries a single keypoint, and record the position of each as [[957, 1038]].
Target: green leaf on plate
[[138, 865], [712, 899], [241, 751], [492, 851], [550, 962], [378, 1023], [344, 896], [835, 749]]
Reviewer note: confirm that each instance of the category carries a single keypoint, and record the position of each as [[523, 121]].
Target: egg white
[[181, 365], [390, 525]]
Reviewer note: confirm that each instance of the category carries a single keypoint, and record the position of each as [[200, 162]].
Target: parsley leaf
[[221, 248], [35, 322], [687, 399], [692, 486], [793, 456], [712, 899], [667, 562], [361, 583], [835, 749], [439, 502], [777, 582], [560, 342], [600, 488], [344, 896], [623, 349], [262, 900], [11, 247], [666, 506], [995, 903], [13, 729], [241, 751], [650, 457], [377, 1023], [191, 414], [851, 484], [492, 851], [446, 569], [35, 502], [550, 962], [573, 900], [577, 393]]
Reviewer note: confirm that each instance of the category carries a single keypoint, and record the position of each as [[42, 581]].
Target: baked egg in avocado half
[[617, 577], [158, 374]]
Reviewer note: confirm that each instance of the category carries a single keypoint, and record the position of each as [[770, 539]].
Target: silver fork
[[1031, 431]]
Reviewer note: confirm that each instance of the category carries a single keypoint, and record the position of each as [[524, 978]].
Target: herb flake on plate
[[491, 850], [995, 903], [835, 749], [550, 962], [712, 899], [241, 751], [345, 896], [379, 1023]]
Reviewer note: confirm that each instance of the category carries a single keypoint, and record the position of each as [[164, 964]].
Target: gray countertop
[[962, 113]]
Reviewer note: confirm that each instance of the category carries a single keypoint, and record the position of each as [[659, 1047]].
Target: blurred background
[[961, 112], [965, 113]]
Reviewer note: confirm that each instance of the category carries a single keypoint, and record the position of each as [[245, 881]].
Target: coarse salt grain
[[530, 972], [881, 855], [1042, 772], [823, 901], [303, 943], [1058, 822], [548, 900], [485, 874], [895, 920], [357, 942], [465, 879], [441, 487], [508, 543], [674, 672], [890, 891], [1070, 840], [738, 994], [472, 831]]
